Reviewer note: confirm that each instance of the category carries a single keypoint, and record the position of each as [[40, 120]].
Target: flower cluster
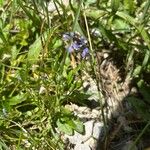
[[76, 43]]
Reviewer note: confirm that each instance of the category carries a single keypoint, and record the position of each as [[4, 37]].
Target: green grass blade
[[140, 30], [31, 14], [145, 12], [140, 135], [2, 36], [77, 15]]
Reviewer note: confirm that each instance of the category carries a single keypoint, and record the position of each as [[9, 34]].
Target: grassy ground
[[39, 74]]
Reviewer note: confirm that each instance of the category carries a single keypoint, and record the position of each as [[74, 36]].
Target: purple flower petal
[[75, 46], [70, 49], [85, 52], [76, 42]]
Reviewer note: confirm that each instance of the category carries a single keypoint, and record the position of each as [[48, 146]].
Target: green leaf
[[35, 49], [70, 77], [17, 99], [1, 2], [94, 13], [14, 52], [119, 24], [140, 107], [64, 127], [129, 5], [66, 112], [79, 126], [71, 123], [144, 90], [137, 71], [127, 18], [57, 43], [89, 2], [115, 5], [146, 58], [23, 43]]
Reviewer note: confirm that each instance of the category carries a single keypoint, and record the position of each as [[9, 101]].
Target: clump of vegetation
[[40, 71]]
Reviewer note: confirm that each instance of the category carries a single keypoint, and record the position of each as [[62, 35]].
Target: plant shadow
[[126, 123]]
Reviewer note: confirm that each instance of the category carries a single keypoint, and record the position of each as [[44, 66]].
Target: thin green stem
[[77, 15], [99, 87]]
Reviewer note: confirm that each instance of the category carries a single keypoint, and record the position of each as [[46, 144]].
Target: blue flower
[[76, 46], [75, 42], [70, 49]]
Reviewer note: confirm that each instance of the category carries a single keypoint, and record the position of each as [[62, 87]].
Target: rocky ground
[[115, 90]]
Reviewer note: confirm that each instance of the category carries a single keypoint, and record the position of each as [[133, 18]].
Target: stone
[[92, 143], [51, 5], [82, 147], [105, 55], [97, 129], [84, 110], [95, 113]]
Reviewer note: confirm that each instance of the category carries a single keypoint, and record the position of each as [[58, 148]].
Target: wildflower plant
[[33, 99], [76, 43]]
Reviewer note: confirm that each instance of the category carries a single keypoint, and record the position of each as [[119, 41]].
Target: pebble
[[97, 129], [92, 143], [51, 5], [106, 55], [82, 147], [95, 113], [84, 110]]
